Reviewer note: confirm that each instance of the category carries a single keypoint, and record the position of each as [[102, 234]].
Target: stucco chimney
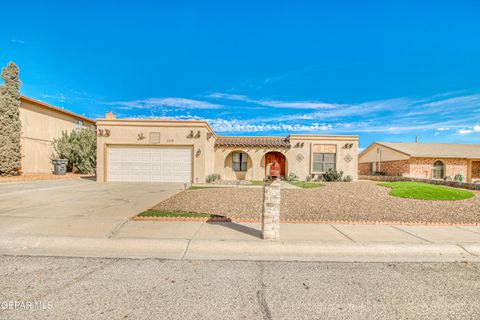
[[110, 115]]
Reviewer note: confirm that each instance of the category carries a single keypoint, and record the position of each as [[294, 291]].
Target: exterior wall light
[[198, 153]]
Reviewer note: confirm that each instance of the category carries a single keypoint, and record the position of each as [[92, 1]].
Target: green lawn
[[160, 213], [306, 185], [256, 182], [425, 191]]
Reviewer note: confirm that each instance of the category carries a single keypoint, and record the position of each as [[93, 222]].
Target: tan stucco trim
[[121, 145], [57, 109], [370, 147], [156, 123]]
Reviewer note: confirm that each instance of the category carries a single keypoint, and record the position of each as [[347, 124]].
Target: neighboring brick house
[[421, 160]]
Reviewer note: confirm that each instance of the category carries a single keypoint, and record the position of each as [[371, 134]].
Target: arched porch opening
[[278, 157], [238, 165]]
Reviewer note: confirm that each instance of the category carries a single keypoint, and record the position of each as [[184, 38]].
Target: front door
[[278, 158]]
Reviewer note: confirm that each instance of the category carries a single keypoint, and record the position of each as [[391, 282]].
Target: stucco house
[[188, 151], [421, 160], [41, 123]]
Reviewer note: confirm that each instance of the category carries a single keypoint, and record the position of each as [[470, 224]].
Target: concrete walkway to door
[[77, 208]]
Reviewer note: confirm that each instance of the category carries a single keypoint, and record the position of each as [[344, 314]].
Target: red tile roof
[[271, 142]]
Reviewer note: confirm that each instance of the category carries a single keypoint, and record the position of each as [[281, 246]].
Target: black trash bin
[[60, 167]]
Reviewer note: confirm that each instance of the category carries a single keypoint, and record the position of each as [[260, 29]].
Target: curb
[[252, 250]]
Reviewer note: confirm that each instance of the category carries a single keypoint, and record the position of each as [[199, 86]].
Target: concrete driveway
[[75, 207]]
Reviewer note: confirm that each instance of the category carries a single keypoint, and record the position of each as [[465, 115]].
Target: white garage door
[[162, 164]]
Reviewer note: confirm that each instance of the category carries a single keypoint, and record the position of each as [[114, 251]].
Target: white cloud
[[18, 41], [434, 114], [275, 103], [469, 130], [58, 97], [149, 103], [464, 131], [221, 125]]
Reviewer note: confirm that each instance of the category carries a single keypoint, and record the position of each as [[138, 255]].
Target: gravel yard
[[353, 201]]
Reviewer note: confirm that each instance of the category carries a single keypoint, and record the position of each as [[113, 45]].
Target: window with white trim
[[239, 161], [324, 157]]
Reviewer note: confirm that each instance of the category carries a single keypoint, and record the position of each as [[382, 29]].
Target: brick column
[[271, 210]]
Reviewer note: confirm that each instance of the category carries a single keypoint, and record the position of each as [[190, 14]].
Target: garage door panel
[[161, 164]]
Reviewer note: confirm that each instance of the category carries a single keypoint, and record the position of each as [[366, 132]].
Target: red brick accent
[[364, 169], [422, 167], [390, 168], [395, 168]]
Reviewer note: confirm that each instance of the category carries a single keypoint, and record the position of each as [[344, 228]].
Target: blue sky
[[386, 70]]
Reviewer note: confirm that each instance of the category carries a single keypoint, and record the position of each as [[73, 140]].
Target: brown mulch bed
[[44, 176], [340, 201]]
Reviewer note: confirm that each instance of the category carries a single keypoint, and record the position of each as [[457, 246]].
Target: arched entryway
[[438, 170], [277, 157]]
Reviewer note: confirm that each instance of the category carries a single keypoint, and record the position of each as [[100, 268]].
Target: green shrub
[[308, 178], [213, 177], [347, 179], [333, 175], [79, 147], [292, 177], [458, 177]]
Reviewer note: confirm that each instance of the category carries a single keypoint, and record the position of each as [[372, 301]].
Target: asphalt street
[[88, 288]]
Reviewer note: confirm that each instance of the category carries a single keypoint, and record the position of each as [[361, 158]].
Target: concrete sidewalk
[[232, 241]]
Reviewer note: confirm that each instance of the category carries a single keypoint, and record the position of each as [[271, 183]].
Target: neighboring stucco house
[[421, 160], [188, 151], [41, 123]]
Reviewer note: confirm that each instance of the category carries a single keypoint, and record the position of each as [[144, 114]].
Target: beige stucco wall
[[298, 158], [371, 154], [172, 133], [213, 159], [40, 126]]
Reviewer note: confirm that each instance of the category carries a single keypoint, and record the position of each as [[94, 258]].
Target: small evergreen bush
[[333, 175]]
